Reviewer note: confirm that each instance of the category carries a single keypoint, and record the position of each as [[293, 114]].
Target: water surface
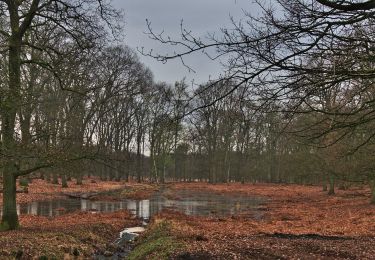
[[199, 203]]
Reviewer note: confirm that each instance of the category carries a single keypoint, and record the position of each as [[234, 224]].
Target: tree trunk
[[138, 163], [324, 180], [127, 167], [162, 179], [55, 179], [331, 184], [64, 183], [117, 175], [79, 179], [372, 186], [10, 217], [47, 177], [9, 108]]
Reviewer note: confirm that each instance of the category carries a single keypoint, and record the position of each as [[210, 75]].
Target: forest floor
[[75, 235], [40, 190], [298, 222]]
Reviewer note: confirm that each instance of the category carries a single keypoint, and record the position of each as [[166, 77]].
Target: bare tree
[[84, 22]]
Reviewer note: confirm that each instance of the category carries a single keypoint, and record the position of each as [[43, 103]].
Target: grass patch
[[157, 243]]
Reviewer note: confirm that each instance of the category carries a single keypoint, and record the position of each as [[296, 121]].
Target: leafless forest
[[273, 159]]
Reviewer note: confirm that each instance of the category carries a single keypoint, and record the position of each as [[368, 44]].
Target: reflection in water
[[197, 203]]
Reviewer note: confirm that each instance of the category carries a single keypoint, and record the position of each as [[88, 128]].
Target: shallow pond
[[198, 203]]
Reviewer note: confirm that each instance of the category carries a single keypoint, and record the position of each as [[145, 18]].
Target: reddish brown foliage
[[60, 236], [304, 209], [298, 222], [42, 190], [68, 221]]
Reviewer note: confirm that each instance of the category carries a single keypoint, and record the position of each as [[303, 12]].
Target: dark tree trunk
[[331, 184], [138, 163], [9, 109], [64, 183], [10, 217], [55, 179], [79, 179]]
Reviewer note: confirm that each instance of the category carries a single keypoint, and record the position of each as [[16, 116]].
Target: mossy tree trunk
[[11, 105], [10, 217], [9, 109]]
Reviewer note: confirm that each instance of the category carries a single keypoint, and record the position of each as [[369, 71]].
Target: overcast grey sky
[[201, 16]]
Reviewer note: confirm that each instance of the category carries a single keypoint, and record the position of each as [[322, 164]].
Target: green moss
[[4, 226], [159, 248], [157, 243], [23, 182]]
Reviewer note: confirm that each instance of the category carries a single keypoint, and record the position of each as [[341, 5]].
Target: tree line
[[308, 66]]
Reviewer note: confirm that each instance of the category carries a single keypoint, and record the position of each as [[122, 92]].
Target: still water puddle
[[189, 202]]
